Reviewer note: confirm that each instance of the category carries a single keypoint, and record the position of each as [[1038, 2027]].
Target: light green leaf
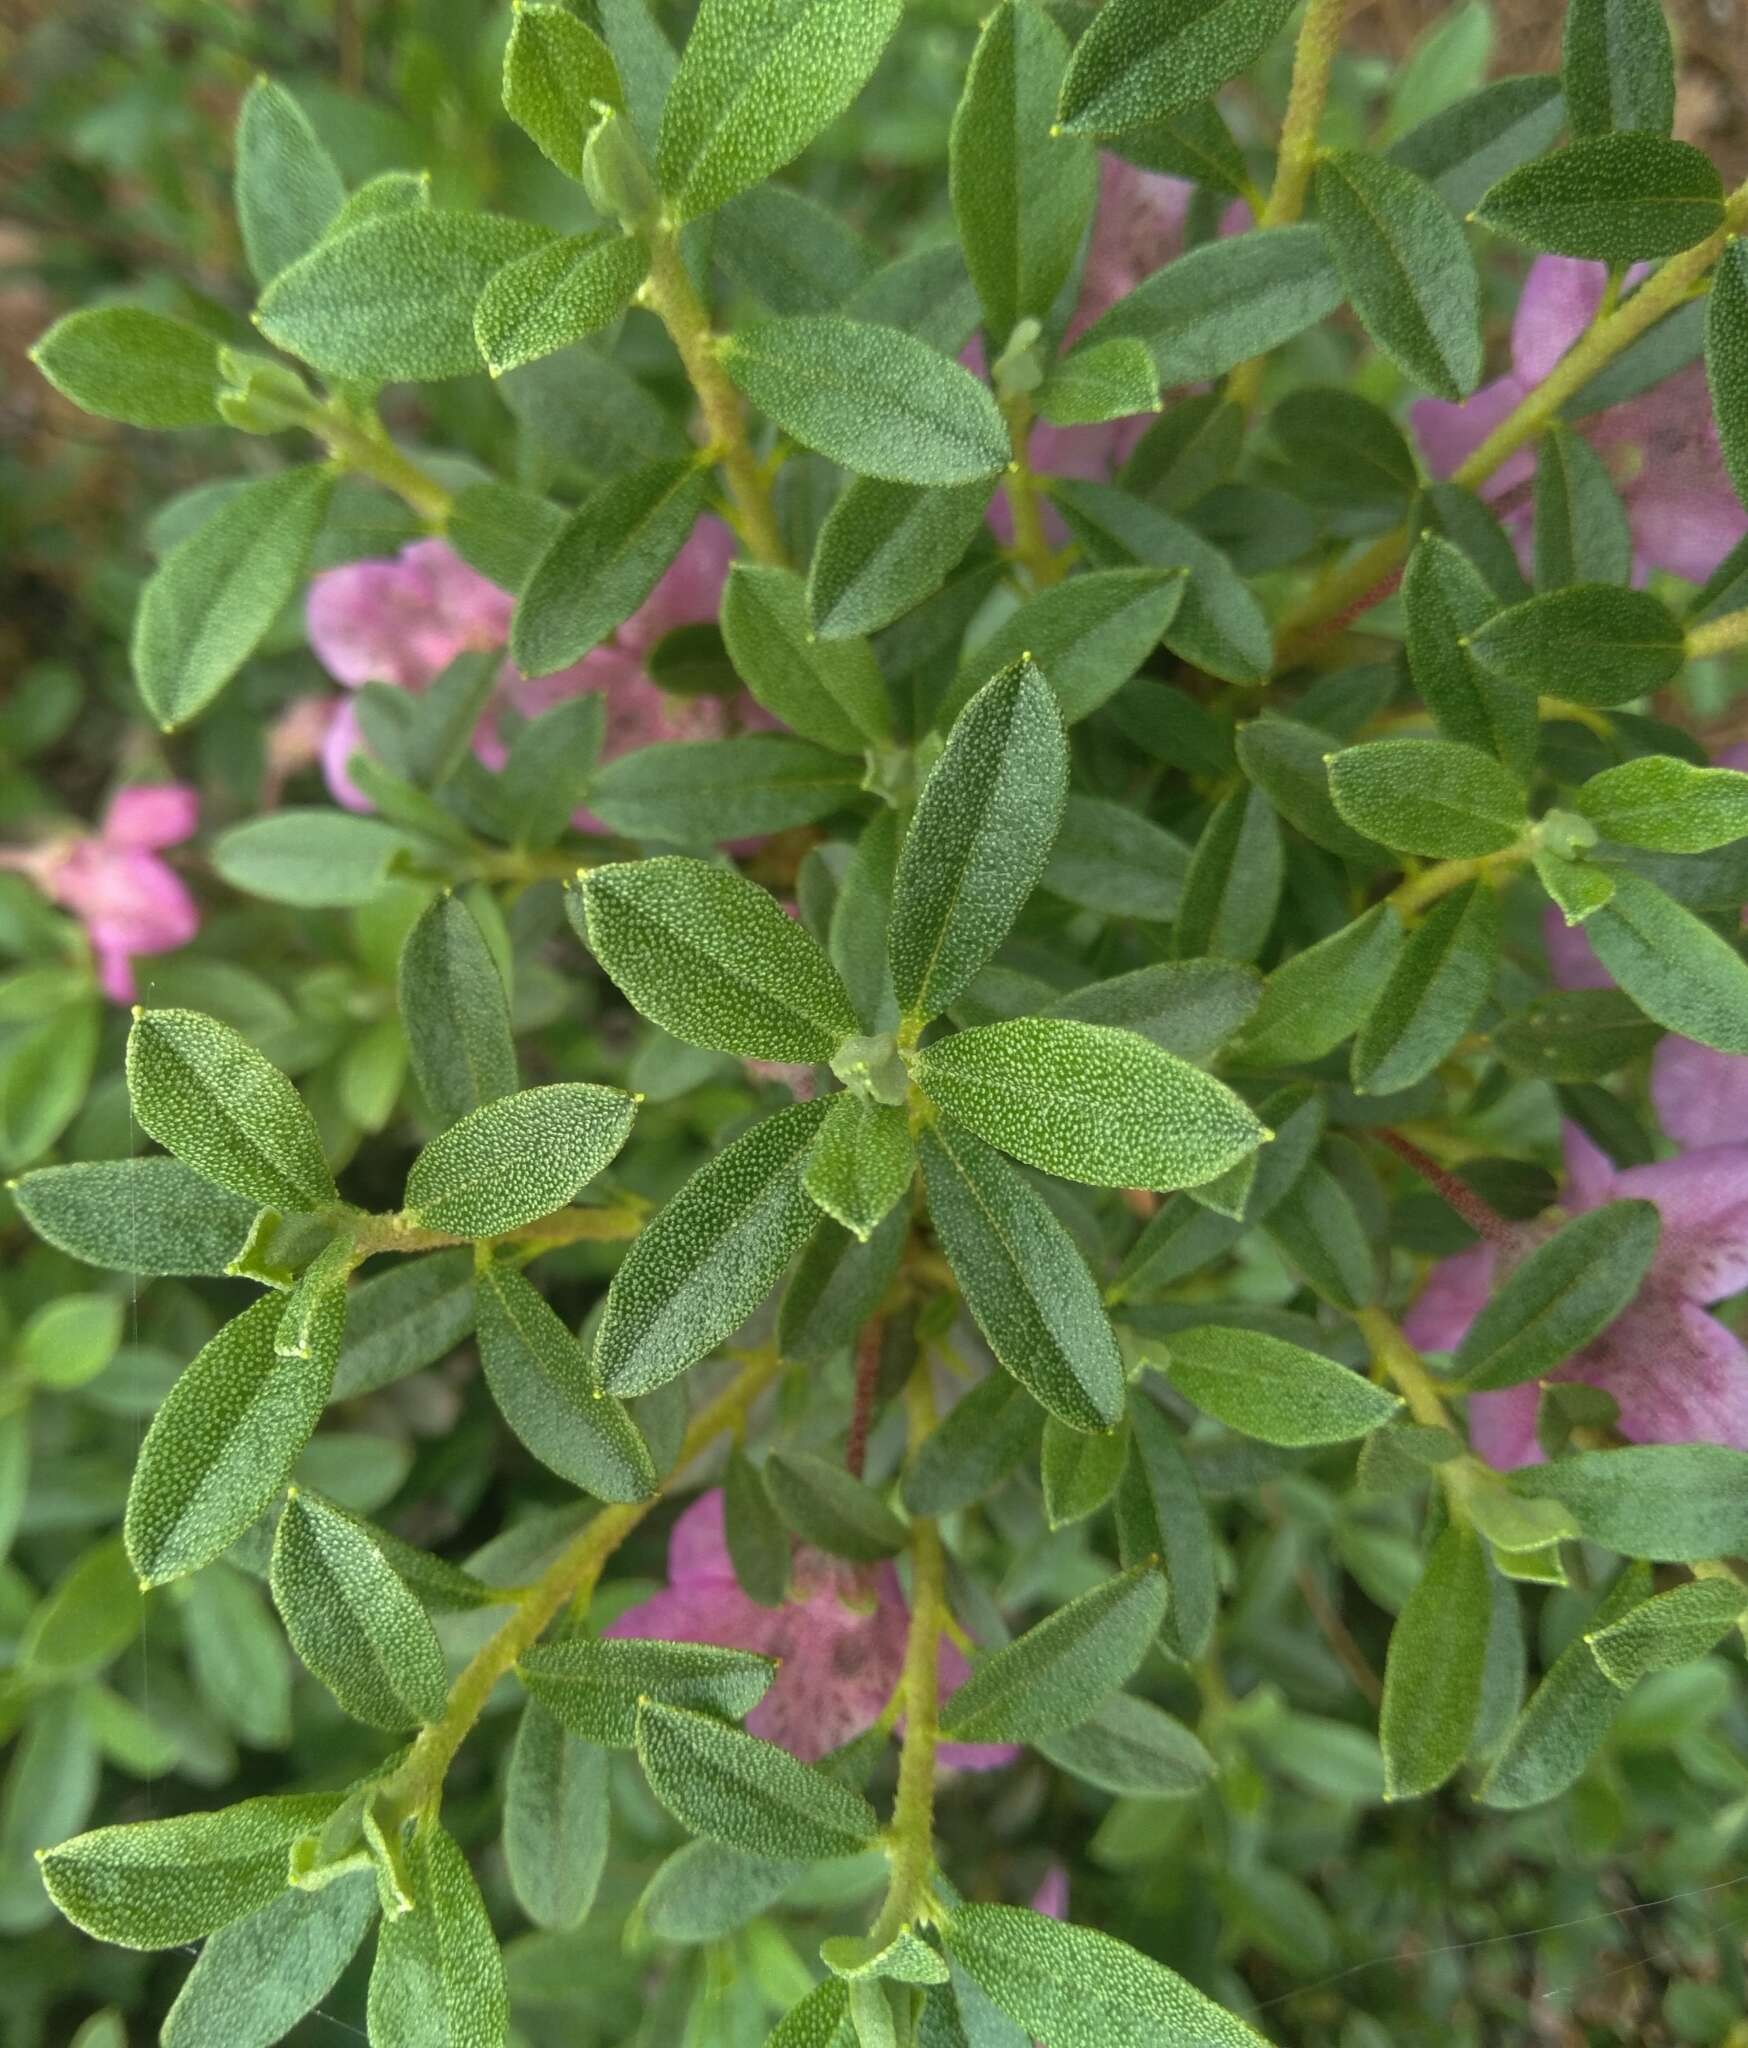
[[1621, 198], [1667, 804], [1313, 1001], [1434, 993], [1134, 1749], [1190, 1007], [556, 70], [130, 364], [147, 1215], [1592, 642], [439, 1979], [1675, 1503], [313, 859], [1435, 797], [1669, 1629], [701, 792], [255, 1979], [881, 402], [557, 1820], [1080, 1472], [1160, 1514], [1673, 965], [1447, 601], [1464, 149], [555, 295], [594, 1688], [1144, 60], [1111, 380], [1275, 1391], [514, 1160], [287, 188], [862, 1162], [1089, 1103], [210, 601], [1433, 1673], [1618, 68]]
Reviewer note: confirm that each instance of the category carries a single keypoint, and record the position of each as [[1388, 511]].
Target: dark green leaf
[[150, 1215], [1566, 1292], [1465, 148], [758, 1543], [1278, 1392], [594, 1688], [1617, 67], [1313, 1001], [1672, 1502], [1134, 1749], [700, 792], [1619, 198], [1447, 601], [862, 1163], [1593, 643], [255, 1979], [1673, 965], [828, 1508], [1436, 797], [1144, 60], [1434, 994], [519, 1158], [287, 187], [1727, 361], [828, 691], [1161, 1514], [1582, 534], [728, 1785], [1233, 886], [438, 1976], [980, 1440], [455, 1012], [883, 548], [556, 1820]]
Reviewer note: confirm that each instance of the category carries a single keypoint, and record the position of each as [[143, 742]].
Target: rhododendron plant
[[884, 1180]]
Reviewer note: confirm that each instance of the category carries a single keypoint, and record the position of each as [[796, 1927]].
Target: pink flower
[[129, 901], [1677, 1374], [1051, 1897], [840, 1635], [1661, 447], [403, 619]]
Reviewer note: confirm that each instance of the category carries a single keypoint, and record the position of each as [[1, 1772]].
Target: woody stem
[[1480, 1216]]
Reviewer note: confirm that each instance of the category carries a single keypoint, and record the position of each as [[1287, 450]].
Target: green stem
[[1031, 543], [572, 1574], [607, 1223], [1607, 337], [910, 1841], [1313, 60], [1718, 636], [1398, 1361], [368, 451], [1445, 875], [670, 294]]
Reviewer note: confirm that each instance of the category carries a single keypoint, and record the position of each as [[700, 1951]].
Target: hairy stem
[[1718, 636], [1031, 543], [366, 450], [1443, 876], [1480, 1216], [1313, 60], [670, 294], [868, 1346], [1397, 1361], [572, 1574], [1607, 337], [607, 1223]]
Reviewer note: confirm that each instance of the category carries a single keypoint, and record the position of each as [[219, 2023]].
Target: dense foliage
[[931, 1235]]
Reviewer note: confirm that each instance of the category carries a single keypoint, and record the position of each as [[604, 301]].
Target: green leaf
[[700, 792], [758, 1543], [556, 69], [980, 1440], [1673, 965], [1023, 1279], [210, 601], [518, 1158], [1436, 797], [1229, 300], [130, 364], [1059, 1672], [1080, 1472], [288, 189], [149, 1215], [712, 958], [838, 1283], [862, 1163], [1021, 201], [1277, 1392], [1195, 144], [881, 402], [454, 1011], [1447, 601], [222, 1444], [1668, 1629], [1675, 1503], [404, 1319], [721, 1782], [821, 2020], [828, 691], [163, 1883], [557, 1820], [828, 1508], [1144, 60], [1575, 1035], [70, 1340], [1593, 643], [1233, 885], [539, 1377], [1111, 380], [758, 81], [1088, 1103], [1219, 626], [1434, 993], [705, 1891], [594, 1688], [1406, 266], [237, 1655], [1161, 1514], [1072, 1984], [1568, 1291], [1343, 446], [1727, 361], [1666, 804], [1313, 1001], [1432, 1675], [884, 547], [1581, 527], [393, 298], [1134, 1749], [1445, 60], [312, 859], [255, 1979], [606, 560], [438, 1981], [206, 1094], [978, 840], [85, 1622], [1190, 1007], [1622, 198], [555, 295], [790, 252], [1088, 636], [1286, 759], [1465, 148], [1618, 68], [352, 1619], [700, 1268]]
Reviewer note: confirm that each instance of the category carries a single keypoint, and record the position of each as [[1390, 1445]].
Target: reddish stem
[[867, 1380], [1479, 1215]]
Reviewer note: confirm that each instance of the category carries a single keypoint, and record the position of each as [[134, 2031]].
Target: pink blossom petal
[[1051, 1897], [1560, 298], [1701, 1095], [115, 973], [698, 1544], [1450, 433], [1590, 1175], [702, 1613], [344, 738], [1502, 1427], [842, 1651], [1138, 229], [1677, 1374], [1703, 1200], [1572, 959], [403, 620], [1455, 1293], [148, 816]]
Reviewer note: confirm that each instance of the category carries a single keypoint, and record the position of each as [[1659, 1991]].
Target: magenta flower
[[403, 619], [1661, 447], [1051, 1897], [840, 1635], [129, 901], [1678, 1375]]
